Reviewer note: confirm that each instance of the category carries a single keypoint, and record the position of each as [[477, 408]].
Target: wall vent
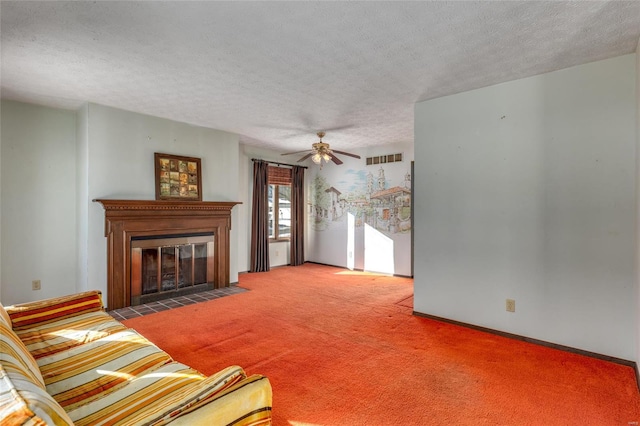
[[382, 159]]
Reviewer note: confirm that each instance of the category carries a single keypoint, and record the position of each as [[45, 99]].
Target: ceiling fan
[[322, 151]]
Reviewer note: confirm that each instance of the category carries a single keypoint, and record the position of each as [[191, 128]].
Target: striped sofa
[[65, 361]]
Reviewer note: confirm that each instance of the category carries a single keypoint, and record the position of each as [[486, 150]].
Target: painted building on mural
[[336, 207], [387, 209]]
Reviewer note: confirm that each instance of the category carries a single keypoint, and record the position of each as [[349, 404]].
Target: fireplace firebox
[[171, 266]]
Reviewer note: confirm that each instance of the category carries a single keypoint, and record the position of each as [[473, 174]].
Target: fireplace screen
[[166, 267]]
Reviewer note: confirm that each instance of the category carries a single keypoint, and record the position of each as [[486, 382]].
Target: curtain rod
[[279, 164]]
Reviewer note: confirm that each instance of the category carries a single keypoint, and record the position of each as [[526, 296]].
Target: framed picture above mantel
[[178, 177]]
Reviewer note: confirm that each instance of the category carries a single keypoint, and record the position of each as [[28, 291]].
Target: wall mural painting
[[369, 198]]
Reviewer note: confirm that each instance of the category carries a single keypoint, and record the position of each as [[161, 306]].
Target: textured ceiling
[[277, 72]]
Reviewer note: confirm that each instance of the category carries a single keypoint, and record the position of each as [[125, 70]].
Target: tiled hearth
[[176, 302]]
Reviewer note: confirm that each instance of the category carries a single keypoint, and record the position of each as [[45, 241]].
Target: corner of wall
[[1, 203], [82, 200], [637, 254], [240, 215]]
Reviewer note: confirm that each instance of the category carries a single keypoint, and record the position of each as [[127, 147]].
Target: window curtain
[[260, 218], [297, 216]]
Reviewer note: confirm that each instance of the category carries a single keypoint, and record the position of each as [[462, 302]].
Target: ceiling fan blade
[[296, 152], [285, 127], [346, 153], [305, 157], [338, 128], [334, 158]]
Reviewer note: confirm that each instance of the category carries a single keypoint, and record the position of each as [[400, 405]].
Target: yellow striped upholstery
[[23, 399], [74, 364], [61, 323], [13, 350], [24, 402], [27, 314], [93, 370], [4, 316], [224, 408], [53, 337], [155, 397]]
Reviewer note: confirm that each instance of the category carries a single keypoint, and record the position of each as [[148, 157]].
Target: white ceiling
[[277, 72]]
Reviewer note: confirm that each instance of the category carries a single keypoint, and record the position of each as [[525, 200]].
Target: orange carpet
[[343, 348]]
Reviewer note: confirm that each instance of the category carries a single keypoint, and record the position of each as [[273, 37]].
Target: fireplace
[[163, 248]]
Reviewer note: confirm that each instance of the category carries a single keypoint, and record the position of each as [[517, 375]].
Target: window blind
[[279, 175]]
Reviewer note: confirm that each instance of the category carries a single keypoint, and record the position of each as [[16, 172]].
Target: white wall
[[38, 201], [526, 190], [637, 286], [331, 244], [244, 211], [120, 165], [0, 204], [82, 185]]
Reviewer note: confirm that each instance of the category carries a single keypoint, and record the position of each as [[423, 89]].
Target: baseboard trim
[[570, 349]]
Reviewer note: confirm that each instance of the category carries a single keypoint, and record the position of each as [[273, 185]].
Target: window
[[279, 212], [279, 203]]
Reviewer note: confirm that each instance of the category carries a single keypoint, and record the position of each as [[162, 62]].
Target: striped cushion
[[247, 403], [28, 314], [93, 370], [13, 350], [156, 397], [53, 337], [4, 316], [25, 402], [196, 395]]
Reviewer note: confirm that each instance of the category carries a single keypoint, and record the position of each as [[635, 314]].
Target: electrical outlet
[[35, 285], [277, 253], [511, 305]]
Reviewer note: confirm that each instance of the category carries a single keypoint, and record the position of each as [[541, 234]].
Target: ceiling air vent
[[381, 159]]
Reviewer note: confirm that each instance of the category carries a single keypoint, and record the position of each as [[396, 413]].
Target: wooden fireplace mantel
[[128, 219]]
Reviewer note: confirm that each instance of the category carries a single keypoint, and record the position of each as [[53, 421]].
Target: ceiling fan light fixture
[[322, 151]]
